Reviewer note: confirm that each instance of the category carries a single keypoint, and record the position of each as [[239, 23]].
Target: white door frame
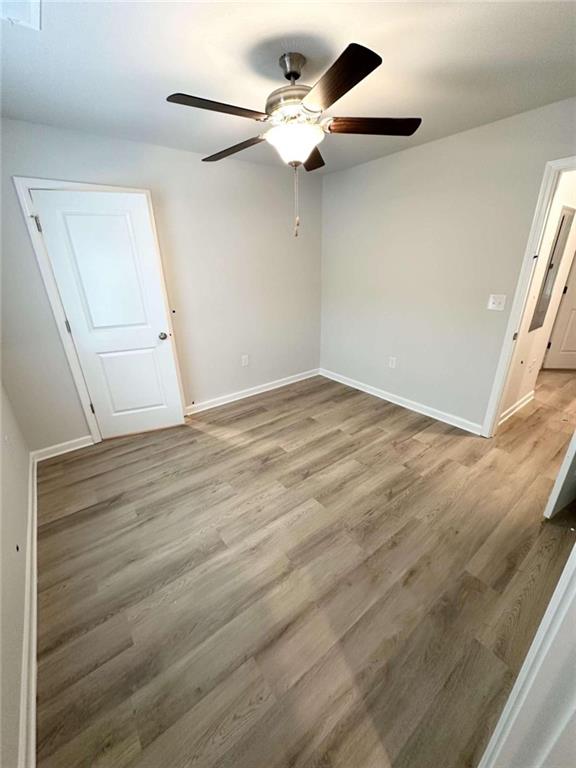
[[23, 186], [563, 479], [552, 173]]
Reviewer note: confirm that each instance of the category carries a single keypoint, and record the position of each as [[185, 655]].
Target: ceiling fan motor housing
[[286, 100]]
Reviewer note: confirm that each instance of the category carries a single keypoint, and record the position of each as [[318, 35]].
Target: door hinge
[[565, 289], [548, 345], [92, 408], [67, 324], [37, 221], [515, 336]]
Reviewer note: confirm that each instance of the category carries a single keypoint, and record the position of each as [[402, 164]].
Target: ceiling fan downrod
[[296, 201]]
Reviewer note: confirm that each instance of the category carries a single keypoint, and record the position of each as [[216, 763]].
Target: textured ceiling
[[108, 67]]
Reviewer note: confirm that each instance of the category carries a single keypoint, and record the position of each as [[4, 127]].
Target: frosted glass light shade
[[295, 141]]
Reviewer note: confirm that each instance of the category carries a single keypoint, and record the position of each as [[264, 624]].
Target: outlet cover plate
[[496, 302]]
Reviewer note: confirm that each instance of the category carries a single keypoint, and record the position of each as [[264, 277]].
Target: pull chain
[[296, 203]]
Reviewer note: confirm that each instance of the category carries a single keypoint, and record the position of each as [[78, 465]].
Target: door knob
[[162, 336]]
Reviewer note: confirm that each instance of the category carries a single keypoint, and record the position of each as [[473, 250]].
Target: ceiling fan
[[295, 112]]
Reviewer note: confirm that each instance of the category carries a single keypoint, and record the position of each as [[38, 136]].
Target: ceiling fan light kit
[[295, 141], [295, 111]]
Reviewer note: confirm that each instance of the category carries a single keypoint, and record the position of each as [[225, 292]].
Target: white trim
[[59, 448], [564, 593], [552, 173], [27, 721], [231, 398], [516, 407], [412, 405]]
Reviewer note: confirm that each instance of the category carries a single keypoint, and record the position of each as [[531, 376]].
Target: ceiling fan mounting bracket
[[291, 65]]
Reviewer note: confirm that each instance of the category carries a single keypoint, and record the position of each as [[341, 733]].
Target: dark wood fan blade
[[315, 160], [215, 106], [352, 66], [233, 150], [377, 126]]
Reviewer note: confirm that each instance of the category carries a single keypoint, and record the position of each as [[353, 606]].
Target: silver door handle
[[162, 336]]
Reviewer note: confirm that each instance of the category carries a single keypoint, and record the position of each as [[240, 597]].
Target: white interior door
[[104, 255], [562, 351]]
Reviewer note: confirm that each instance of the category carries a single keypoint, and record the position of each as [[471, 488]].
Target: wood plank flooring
[[311, 578]]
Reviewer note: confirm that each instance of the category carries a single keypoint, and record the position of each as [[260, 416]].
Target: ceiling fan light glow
[[295, 141]]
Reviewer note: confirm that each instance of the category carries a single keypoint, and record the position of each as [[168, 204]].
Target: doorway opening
[[544, 356], [539, 353]]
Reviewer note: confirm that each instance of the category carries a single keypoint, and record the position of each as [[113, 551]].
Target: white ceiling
[[107, 67]]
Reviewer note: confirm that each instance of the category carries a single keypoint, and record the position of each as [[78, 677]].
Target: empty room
[[288, 335]]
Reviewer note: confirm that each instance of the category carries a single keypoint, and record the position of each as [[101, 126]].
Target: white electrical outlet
[[497, 301], [391, 362], [245, 361]]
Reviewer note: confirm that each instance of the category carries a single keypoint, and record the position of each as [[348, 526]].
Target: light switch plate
[[497, 301]]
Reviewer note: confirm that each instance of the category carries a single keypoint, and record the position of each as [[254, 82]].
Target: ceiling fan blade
[[352, 66], [376, 126], [232, 150], [315, 160], [215, 106]]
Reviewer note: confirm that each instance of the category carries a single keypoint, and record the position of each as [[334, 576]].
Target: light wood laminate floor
[[311, 577]]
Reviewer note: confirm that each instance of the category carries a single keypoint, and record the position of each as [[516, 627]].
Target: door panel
[[104, 255], [102, 251], [569, 341], [562, 352], [133, 380]]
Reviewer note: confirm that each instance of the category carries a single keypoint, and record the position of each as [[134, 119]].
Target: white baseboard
[[231, 398], [516, 407], [55, 450], [411, 405], [27, 724]]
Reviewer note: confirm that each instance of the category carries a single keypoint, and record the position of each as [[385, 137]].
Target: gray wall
[[15, 464], [415, 242], [239, 281]]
